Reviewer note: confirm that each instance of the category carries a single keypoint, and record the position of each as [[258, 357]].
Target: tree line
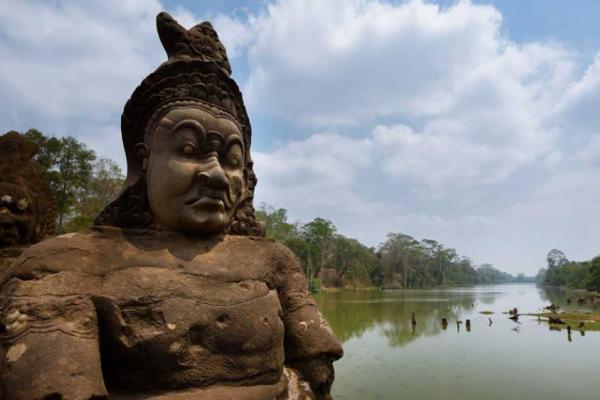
[[401, 261], [561, 272]]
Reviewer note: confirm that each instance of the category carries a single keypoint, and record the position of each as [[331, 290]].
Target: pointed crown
[[200, 42]]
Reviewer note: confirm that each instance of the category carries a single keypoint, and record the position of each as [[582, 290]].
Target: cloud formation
[[466, 131]]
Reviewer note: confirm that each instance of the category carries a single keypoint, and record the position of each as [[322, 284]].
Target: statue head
[[187, 140], [26, 208]]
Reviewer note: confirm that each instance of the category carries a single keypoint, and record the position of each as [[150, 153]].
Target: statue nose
[[214, 176]]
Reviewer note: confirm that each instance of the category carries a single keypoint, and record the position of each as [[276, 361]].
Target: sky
[[474, 123]]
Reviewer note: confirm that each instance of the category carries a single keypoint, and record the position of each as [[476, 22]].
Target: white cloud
[[235, 34], [347, 62], [74, 60], [315, 172], [469, 106], [69, 67]]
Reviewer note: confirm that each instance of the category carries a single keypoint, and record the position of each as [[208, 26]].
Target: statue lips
[[209, 203], [209, 199]]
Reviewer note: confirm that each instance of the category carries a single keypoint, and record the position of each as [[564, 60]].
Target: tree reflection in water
[[351, 314]]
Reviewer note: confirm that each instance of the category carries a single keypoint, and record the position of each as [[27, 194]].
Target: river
[[386, 359]]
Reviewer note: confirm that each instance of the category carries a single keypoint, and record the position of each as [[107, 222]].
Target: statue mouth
[[209, 203], [209, 200]]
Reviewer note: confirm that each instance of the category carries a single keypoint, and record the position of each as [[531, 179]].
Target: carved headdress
[[197, 71]]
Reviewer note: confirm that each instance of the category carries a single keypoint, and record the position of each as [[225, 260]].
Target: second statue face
[[195, 172]]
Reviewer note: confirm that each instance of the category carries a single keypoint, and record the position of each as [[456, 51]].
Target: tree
[[449, 257], [68, 166], [351, 259], [318, 236], [103, 186], [276, 224], [399, 254], [540, 278], [490, 275], [594, 283], [556, 258]]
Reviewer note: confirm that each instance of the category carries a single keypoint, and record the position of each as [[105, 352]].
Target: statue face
[[195, 173], [17, 224]]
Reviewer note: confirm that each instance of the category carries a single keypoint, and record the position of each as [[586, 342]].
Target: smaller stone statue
[[26, 207]]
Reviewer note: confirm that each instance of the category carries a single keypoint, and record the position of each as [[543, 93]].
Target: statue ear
[[143, 152], [170, 33]]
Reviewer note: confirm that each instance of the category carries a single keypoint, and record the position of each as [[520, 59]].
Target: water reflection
[[352, 313], [403, 316]]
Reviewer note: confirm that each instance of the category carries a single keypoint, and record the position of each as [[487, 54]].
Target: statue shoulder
[[268, 248], [83, 252], [285, 256]]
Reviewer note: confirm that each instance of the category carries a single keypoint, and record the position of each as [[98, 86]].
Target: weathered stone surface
[[173, 294]]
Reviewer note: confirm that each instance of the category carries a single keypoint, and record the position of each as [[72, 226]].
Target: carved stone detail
[[72, 315]]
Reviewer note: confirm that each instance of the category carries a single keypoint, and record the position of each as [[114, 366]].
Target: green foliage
[[594, 283], [103, 186], [463, 272], [489, 274], [570, 274], [276, 223], [314, 285], [68, 165], [400, 257], [406, 262], [318, 238], [351, 260]]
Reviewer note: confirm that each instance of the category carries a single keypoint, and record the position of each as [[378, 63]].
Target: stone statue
[[173, 294], [26, 208]]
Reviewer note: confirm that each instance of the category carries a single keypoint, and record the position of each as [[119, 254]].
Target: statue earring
[[143, 151]]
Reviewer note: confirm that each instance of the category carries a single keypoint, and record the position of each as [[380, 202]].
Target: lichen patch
[[15, 352]]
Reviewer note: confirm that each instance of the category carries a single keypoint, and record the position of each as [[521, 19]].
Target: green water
[[385, 359]]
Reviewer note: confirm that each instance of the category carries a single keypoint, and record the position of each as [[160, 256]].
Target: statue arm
[[50, 343], [310, 344]]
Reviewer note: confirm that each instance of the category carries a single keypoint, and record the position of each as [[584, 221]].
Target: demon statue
[[173, 294]]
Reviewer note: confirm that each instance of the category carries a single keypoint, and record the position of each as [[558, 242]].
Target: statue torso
[[172, 312], [167, 329]]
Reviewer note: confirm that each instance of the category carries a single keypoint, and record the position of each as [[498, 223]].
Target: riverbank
[[577, 296], [331, 289], [581, 321]]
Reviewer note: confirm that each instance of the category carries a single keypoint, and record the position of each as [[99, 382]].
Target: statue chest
[[165, 328]]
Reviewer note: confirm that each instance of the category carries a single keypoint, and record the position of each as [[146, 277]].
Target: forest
[[81, 184], [401, 261], [563, 273]]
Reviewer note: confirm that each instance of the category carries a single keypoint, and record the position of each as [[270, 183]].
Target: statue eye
[[188, 149], [234, 161]]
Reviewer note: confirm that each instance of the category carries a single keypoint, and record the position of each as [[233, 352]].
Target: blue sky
[[473, 123]]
